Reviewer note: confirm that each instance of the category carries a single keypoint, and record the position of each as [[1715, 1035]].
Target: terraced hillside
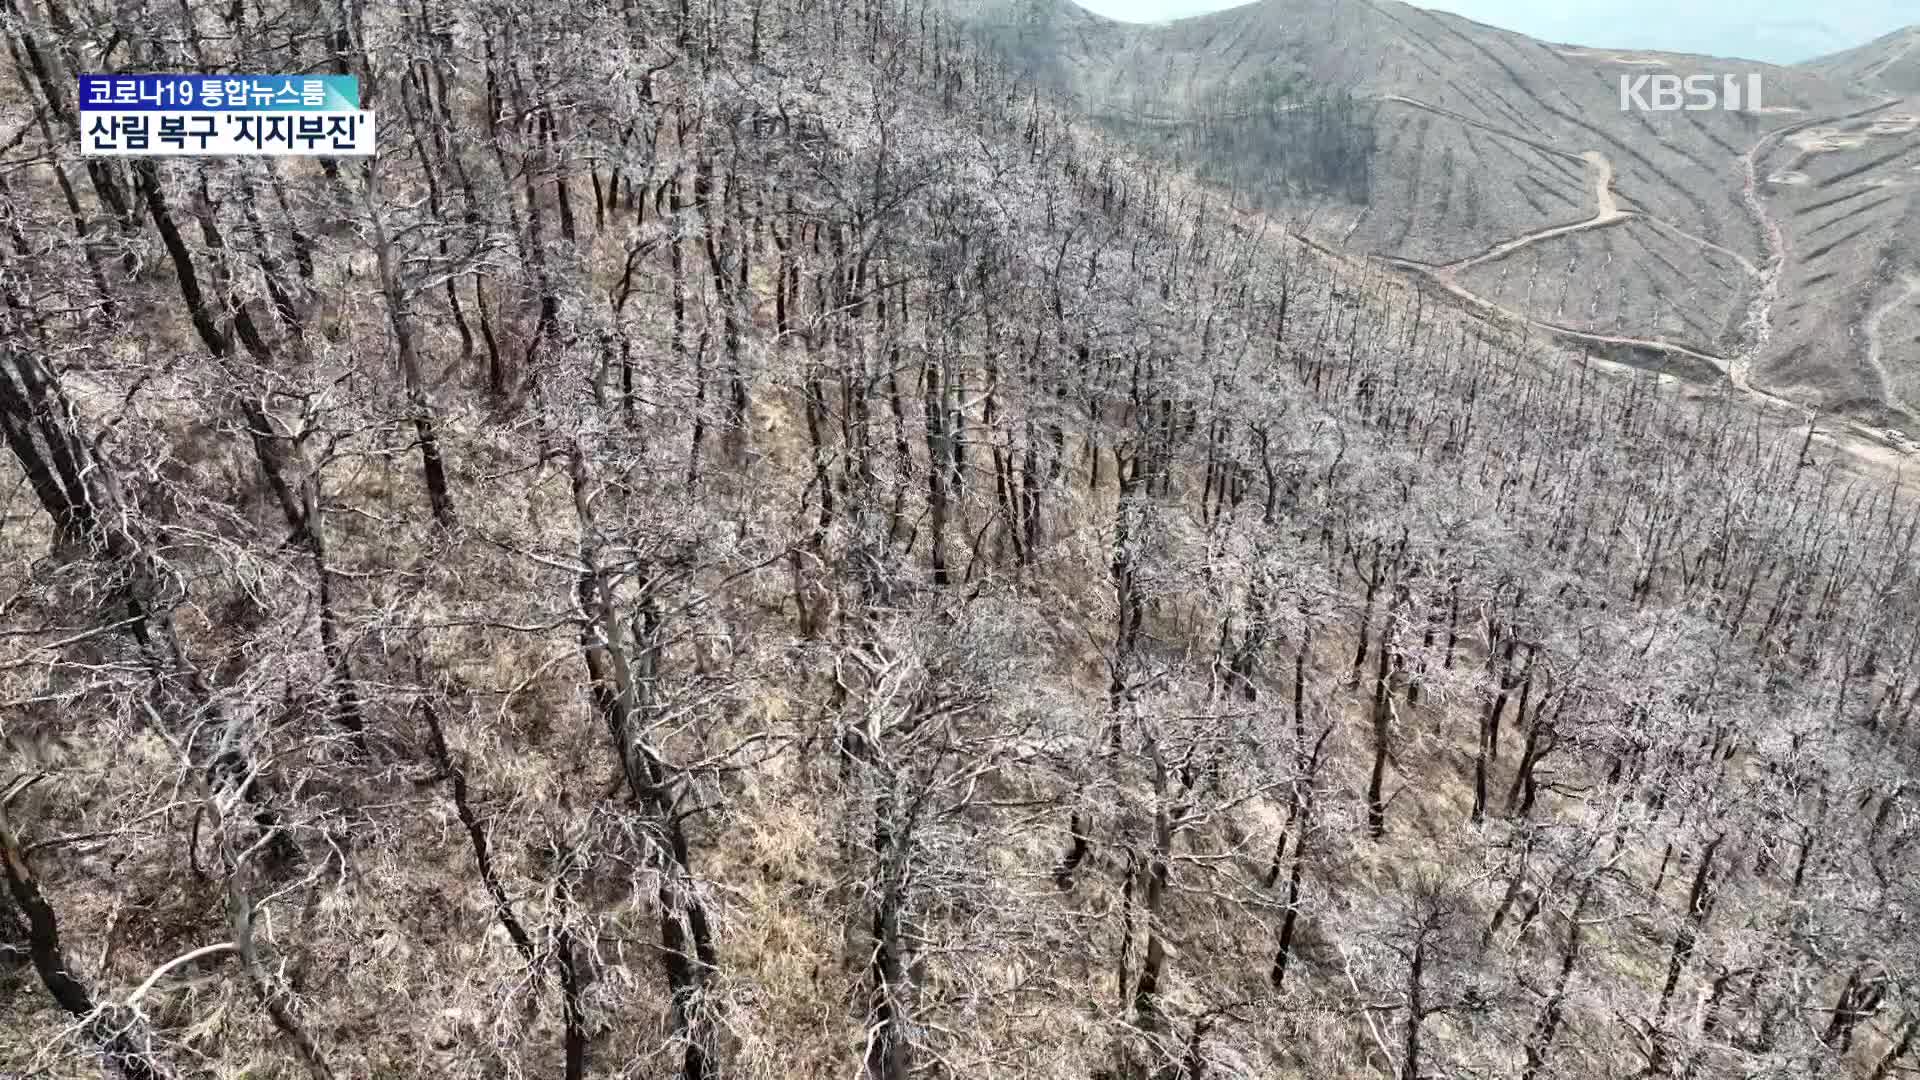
[[1759, 247], [1890, 63]]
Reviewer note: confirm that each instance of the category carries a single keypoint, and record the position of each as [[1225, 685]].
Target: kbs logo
[[1695, 93]]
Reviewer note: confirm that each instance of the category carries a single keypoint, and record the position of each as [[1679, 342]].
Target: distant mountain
[[1769, 248], [1775, 40], [1777, 31], [1771, 31], [1890, 64]]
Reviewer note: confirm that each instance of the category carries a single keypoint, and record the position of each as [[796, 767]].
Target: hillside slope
[[1761, 243], [1889, 64], [763, 547]]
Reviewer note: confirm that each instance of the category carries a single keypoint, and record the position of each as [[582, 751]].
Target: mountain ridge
[[1890, 62], [1605, 30], [1475, 137], [782, 551]]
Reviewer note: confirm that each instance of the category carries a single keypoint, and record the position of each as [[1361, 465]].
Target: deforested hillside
[[1759, 244], [1890, 63], [757, 542]]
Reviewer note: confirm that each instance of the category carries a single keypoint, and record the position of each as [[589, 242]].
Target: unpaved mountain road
[[1607, 209], [1446, 281], [1882, 452], [1607, 212], [1876, 344], [1863, 442]]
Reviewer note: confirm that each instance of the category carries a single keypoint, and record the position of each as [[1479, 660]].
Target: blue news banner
[[223, 115]]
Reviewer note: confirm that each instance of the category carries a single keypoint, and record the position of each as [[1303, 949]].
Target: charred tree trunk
[[406, 343], [1167, 819], [476, 833], [1076, 852], [1416, 1004], [1699, 908], [1901, 1047], [1489, 746], [83, 497], [1540, 1038], [1858, 1001], [1303, 830], [573, 1013], [122, 1037], [889, 1051], [1383, 718], [623, 697], [939, 461]]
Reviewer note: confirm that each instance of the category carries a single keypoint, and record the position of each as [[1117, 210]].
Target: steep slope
[[770, 550], [1507, 169], [1890, 64]]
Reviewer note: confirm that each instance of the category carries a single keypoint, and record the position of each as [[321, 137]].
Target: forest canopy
[[752, 540]]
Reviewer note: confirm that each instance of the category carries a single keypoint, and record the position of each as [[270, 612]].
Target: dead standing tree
[[622, 665], [81, 492], [122, 1037], [918, 740]]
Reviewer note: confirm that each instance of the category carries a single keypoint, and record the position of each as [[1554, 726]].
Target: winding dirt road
[[1445, 281], [1607, 212], [1850, 436], [1875, 343]]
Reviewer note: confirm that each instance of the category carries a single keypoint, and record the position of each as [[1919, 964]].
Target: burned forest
[[753, 540]]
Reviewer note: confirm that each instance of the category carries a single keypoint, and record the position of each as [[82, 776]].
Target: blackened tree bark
[[890, 1047], [573, 1013], [394, 290], [1902, 1046], [122, 1038], [1417, 1008], [1383, 716], [301, 507], [82, 495], [476, 832], [1169, 815], [1859, 999], [1489, 745], [1302, 831], [940, 450], [1542, 740], [1540, 1037], [1700, 902], [623, 697]]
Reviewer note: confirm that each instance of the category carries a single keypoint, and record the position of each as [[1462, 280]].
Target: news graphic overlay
[[223, 116]]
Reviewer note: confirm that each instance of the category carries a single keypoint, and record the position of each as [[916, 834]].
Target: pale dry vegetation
[[750, 543]]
